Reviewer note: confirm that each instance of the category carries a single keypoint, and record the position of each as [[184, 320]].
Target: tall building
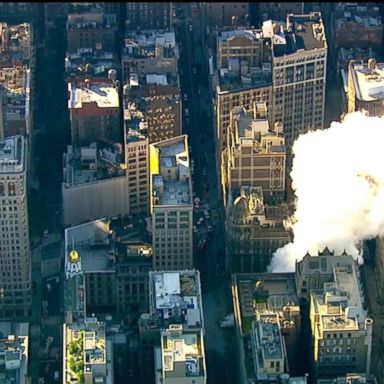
[[94, 111], [268, 328], [87, 354], [151, 15], [341, 328], [95, 183], [365, 85], [136, 157], [255, 155], [116, 257], [14, 352], [158, 96], [175, 311], [15, 255], [299, 56], [254, 231], [171, 204], [149, 51], [241, 79], [94, 29], [181, 357]]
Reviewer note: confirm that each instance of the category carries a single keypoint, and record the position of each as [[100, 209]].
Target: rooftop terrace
[[12, 150], [175, 298], [172, 185], [99, 161]]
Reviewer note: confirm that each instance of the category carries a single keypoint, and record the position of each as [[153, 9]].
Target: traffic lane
[[51, 293]]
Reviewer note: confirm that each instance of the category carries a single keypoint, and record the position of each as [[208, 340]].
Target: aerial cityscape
[[191, 193]]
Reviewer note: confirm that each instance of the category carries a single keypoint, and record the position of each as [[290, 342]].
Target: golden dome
[[74, 256]]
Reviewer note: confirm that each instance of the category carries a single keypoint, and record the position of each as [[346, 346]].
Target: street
[[209, 257]]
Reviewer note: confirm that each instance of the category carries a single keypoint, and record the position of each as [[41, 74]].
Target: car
[[206, 214], [200, 221], [195, 229], [185, 97], [186, 112], [209, 227], [49, 288], [194, 71]]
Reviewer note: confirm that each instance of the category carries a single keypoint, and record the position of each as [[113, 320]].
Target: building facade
[[15, 254], [152, 15], [94, 29], [254, 231], [94, 109], [255, 154], [299, 73], [171, 204], [341, 329]]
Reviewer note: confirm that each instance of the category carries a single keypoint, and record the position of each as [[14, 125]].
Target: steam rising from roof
[[338, 179]]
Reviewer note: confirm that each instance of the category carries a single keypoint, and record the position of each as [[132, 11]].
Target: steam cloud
[[338, 179]]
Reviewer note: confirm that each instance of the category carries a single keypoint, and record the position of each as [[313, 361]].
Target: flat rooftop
[[176, 296], [251, 34], [12, 150], [269, 339], [147, 40], [305, 32], [105, 95], [182, 353], [135, 122], [173, 159], [91, 20], [85, 165], [368, 83]]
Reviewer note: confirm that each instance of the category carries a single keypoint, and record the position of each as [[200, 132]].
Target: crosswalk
[[51, 353], [52, 320]]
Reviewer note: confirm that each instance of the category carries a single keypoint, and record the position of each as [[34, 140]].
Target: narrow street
[[210, 260]]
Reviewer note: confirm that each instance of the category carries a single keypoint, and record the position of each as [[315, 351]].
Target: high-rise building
[[94, 29], [255, 155], [151, 15], [175, 308], [95, 183], [365, 84], [341, 328], [254, 231], [268, 328], [299, 61], [15, 256], [116, 257], [241, 79], [171, 204], [94, 111]]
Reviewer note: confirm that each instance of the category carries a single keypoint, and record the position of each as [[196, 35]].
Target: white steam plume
[[338, 179]]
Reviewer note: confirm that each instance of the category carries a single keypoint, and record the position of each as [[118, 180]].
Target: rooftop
[[150, 44], [15, 44], [103, 243], [171, 184], [14, 352], [88, 61], [175, 298], [85, 351], [303, 32], [350, 378], [91, 20], [368, 83], [268, 338], [182, 353], [135, 122], [105, 95], [12, 158], [340, 304], [99, 161]]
